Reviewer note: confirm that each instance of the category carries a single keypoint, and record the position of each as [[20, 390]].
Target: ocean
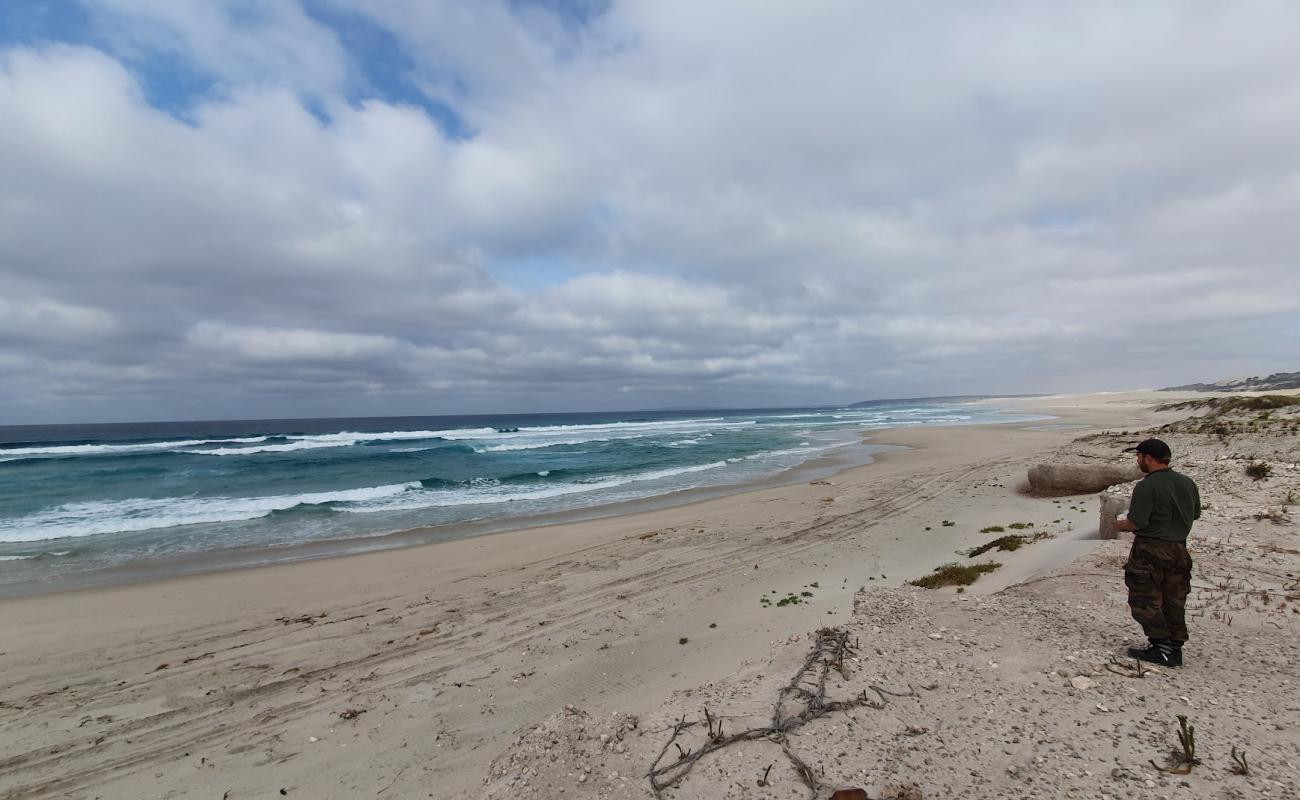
[[79, 500]]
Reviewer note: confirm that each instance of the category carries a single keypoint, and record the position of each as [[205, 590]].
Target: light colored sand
[[235, 682]]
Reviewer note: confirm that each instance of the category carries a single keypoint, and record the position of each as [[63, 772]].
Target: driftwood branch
[[799, 702]]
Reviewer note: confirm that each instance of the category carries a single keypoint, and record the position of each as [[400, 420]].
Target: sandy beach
[[464, 668]]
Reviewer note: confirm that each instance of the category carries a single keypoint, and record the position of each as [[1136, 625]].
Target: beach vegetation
[[1020, 526], [683, 640], [791, 599], [954, 575], [947, 523], [1227, 405], [1183, 758], [1239, 764], [993, 529], [1009, 543], [1259, 470]]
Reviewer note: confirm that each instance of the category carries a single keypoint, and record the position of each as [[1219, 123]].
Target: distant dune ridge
[[1278, 380]]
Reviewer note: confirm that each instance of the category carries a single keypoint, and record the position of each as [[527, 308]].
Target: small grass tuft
[[683, 640], [993, 529], [1020, 526], [1259, 470], [954, 575]]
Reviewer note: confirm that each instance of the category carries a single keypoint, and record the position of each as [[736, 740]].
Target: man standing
[[1159, 570]]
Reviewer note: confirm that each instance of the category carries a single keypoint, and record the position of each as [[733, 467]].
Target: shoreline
[[825, 464], [450, 648]]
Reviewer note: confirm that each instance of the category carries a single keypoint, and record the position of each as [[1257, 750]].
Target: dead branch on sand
[[828, 653]]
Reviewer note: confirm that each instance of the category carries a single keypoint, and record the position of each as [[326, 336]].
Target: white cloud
[[259, 44], [287, 345], [725, 203]]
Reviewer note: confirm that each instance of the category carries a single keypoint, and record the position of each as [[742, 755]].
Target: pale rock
[[1079, 478]]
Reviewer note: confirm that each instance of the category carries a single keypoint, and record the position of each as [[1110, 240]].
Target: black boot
[[1160, 651], [1175, 652]]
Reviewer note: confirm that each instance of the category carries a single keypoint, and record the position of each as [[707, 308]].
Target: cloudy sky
[[362, 207]]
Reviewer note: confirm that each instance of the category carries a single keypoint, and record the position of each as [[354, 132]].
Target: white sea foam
[[561, 435], [287, 447], [804, 449], [15, 558], [600, 427], [342, 439], [525, 438], [538, 445], [73, 520], [481, 492], [105, 449]]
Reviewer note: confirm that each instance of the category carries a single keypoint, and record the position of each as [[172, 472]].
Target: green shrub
[[954, 575], [1007, 544]]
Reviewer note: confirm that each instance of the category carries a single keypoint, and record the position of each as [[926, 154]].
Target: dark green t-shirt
[[1164, 505]]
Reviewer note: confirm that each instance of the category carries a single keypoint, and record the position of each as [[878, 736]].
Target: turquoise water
[[78, 498]]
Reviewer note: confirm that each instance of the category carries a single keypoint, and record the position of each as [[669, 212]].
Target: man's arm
[[1139, 509]]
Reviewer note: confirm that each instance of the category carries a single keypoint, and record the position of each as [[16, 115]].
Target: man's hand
[[1124, 525]]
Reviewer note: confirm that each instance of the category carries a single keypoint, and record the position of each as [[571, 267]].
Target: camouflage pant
[[1159, 576]]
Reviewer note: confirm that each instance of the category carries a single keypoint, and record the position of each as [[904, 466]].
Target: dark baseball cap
[[1154, 448]]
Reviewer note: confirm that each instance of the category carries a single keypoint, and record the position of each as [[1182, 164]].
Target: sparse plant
[[993, 529], [954, 575], [1277, 516], [1122, 667], [1259, 470], [1239, 764], [683, 640], [1181, 762], [1020, 526], [1007, 544]]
